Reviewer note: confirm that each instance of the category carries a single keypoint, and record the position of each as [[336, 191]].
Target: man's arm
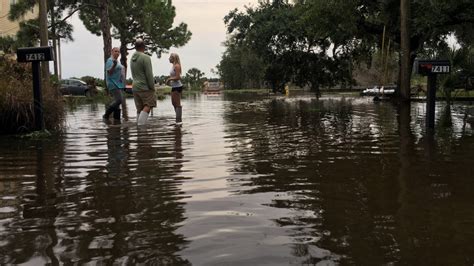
[[110, 66], [111, 70], [150, 80]]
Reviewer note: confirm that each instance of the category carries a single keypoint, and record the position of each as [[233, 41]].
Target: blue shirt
[[116, 79]]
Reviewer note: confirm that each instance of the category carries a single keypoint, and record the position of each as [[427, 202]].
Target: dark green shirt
[[142, 72]]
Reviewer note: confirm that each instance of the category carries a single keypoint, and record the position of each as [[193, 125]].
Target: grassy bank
[[257, 91], [16, 100]]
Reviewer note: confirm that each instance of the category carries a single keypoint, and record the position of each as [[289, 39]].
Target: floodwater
[[247, 180]]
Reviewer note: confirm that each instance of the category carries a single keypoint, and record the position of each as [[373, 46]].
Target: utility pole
[[405, 74], [59, 59], [43, 24], [54, 39]]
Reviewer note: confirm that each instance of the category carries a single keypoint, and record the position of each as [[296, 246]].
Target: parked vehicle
[[376, 91], [76, 87], [128, 89]]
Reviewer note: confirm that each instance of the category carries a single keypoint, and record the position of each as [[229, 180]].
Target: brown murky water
[[247, 180]]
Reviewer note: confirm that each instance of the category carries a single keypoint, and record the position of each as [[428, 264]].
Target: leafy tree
[[8, 44], [28, 35], [240, 67], [263, 31], [195, 78], [161, 79], [278, 33], [100, 11], [431, 21], [150, 20], [317, 42]]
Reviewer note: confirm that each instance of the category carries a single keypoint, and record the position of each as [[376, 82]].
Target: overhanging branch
[[72, 13]]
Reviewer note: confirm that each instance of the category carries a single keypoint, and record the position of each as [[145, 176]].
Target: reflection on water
[[248, 180]]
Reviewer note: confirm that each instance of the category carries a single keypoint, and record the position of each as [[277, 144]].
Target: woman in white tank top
[[176, 86]]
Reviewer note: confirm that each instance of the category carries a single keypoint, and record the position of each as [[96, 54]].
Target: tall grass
[[16, 100]]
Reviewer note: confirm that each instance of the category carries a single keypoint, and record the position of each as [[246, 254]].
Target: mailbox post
[[431, 68], [35, 55]]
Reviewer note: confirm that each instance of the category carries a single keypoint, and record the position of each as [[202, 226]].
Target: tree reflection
[[134, 208], [31, 233], [355, 171]]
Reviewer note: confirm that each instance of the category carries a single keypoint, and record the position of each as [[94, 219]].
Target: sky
[[83, 56]]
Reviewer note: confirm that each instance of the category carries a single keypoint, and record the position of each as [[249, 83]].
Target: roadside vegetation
[[340, 44], [16, 100]]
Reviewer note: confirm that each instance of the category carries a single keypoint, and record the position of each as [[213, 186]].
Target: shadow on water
[[248, 180]]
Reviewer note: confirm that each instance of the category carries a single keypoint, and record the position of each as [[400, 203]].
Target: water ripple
[[246, 180]]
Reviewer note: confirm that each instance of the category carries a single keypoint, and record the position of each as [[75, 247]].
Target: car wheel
[[88, 93]]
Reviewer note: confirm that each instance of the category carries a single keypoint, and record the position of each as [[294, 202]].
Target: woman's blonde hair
[[175, 58]]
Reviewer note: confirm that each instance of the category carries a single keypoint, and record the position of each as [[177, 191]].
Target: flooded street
[[247, 180]]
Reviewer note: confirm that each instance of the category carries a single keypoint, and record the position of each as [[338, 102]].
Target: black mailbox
[[35, 54], [431, 67]]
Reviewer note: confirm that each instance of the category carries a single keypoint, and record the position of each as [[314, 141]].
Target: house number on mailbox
[[35, 57], [440, 69]]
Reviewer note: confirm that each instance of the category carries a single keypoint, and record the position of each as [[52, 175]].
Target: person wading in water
[[115, 84], [176, 86], [143, 82]]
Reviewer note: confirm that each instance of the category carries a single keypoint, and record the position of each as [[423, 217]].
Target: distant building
[[10, 28], [212, 87]]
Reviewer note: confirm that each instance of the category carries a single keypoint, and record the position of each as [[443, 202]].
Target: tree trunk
[[123, 61], [43, 24], [123, 56], [105, 28], [405, 68]]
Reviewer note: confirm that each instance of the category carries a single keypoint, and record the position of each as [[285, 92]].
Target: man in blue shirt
[[115, 84]]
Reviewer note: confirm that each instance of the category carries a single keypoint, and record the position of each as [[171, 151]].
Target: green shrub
[[16, 100]]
